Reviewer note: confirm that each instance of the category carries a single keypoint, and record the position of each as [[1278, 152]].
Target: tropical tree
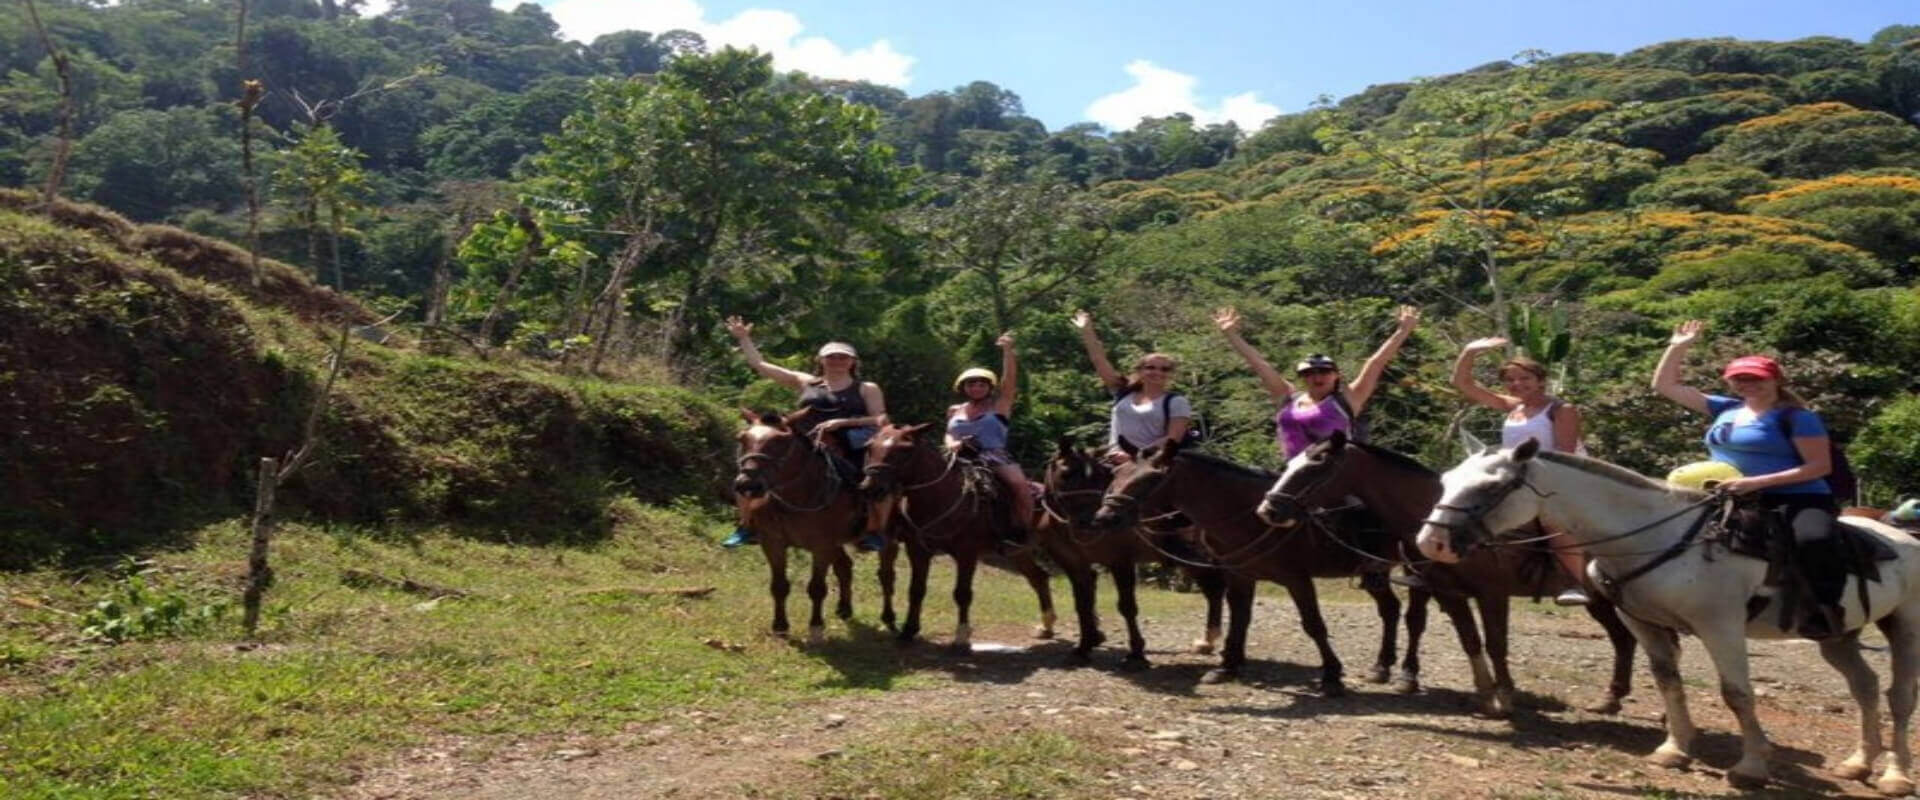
[[321, 179]]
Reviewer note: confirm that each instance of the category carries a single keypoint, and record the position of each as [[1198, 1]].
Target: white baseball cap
[[837, 349]]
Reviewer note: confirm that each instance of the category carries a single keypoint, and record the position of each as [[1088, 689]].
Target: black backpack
[[1845, 486]]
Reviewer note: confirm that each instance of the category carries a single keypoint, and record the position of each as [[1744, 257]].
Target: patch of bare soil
[[1176, 739]]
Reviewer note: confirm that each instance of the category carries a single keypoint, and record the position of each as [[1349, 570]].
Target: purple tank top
[[1297, 427]]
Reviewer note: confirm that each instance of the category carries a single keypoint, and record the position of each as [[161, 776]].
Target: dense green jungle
[[536, 241]]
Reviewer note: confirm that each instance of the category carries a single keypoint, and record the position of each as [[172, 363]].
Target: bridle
[[1473, 522], [763, 463]]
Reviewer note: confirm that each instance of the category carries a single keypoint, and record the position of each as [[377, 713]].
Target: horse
[[1075, 480], [1648, 555], [941, 509], [1400, 491], [1220, 496], [792, 496]]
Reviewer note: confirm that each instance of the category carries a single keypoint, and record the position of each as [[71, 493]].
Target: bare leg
[[1015, 482]]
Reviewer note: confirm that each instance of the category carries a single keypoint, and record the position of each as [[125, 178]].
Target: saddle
[[1806, 577]]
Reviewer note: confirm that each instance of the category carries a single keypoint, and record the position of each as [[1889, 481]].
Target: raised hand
[[1005, 342], [1686, 332], [1227, 319], [740, 328], [1485, 344], [1407, 318], [1083, 320]]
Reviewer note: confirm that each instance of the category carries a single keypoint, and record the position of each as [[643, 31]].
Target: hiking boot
[[871, 543], [740, 536], [1572, 597]]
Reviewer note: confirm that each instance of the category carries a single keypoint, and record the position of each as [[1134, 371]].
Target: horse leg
[[1043, 589], [1233, 656], [1902, 629], [1494, 612], [817, 592], [1604, 613], [1460, 613], [919, 563], [1082, 579], [889, 553], [1125, 585], [843, 574], [963, 566], [1213, 586], [1408, 679], [1663, 660], [1306, 600], [1388, 605], [1726, 644], [775, 548], [1843, 654]]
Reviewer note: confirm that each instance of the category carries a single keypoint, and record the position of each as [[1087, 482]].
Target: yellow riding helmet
[[977, 372], [1700, 473]]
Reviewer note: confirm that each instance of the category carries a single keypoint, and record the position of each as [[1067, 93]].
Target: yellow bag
[[1700, 474]]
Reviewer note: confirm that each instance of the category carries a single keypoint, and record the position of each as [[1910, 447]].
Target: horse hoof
[[1333, 689], [1134, 663], [1220, 675], [1405, 686], [844, 613], [960, 649], [1853, 771], [1748, 782], [1894, 786], [1490, 711], [1670, 759], [1378, 674], [1604, 705], [1079, 658], [1042, 632], [1202, 647]]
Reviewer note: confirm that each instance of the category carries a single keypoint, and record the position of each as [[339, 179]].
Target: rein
[[921, 528], [833, 479]]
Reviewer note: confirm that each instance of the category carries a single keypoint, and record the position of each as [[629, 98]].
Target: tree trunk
[[333, 243], [524, 216], [607, 306], [259, 574], [63, 146], [682, 334], [250, 93]]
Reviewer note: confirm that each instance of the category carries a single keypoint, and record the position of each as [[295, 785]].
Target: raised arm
[[742, 331], [1666, 377], [1228, 321], [1361, 390], [1470, 388], [1009, 375], [1109, 376]]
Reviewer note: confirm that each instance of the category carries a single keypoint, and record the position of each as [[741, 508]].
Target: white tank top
[[1539, 426]]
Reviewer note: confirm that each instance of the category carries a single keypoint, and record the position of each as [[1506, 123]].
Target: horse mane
[[1396, 458], [1614, 472], [1233, 467]]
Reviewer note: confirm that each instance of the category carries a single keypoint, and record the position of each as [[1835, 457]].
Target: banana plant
[[1543, 335]]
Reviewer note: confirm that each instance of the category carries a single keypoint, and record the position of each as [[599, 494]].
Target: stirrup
[[1572, 597], [1409, 580]]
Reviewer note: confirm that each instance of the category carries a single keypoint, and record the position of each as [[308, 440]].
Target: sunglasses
[[1317, 371], [1156, 368]]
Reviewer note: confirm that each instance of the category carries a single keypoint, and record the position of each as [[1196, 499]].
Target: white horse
[[1645, 541]]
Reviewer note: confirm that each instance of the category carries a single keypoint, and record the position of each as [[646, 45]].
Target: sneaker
[[1410, 580], [739, 537], [872, 543], [1571, 597]]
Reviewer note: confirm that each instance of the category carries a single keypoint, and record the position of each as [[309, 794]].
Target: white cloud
[[770, 30], [1158, 92]]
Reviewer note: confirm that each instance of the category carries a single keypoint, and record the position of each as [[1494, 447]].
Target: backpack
[[1841, 480], [1193, 436], [1358, 429]]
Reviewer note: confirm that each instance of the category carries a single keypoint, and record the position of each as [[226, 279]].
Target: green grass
[[547, 643], [940, 760]]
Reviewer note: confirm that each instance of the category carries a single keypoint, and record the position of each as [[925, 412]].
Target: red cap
[[1753, 367]]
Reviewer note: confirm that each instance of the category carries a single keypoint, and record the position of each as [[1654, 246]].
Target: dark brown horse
[[1076, 481], [1219, 497], [792, 496], [944, 505], [1400, 491]]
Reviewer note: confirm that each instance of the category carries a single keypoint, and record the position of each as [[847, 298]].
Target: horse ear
[[1338, 441], [1162, 456], [1067, 451], [1470, 443], [1527, 449], [914, 430]]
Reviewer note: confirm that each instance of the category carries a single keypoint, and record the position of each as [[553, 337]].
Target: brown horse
[[1400, 491], [1075, 483], [1219, 496], [944, 506], [792, 496]]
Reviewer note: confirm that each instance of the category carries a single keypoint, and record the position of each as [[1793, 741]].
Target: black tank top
[[844, 404]]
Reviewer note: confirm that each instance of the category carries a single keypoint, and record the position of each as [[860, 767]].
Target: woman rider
[[1326, 404], [1145, 411], [1531, 413], [1750, 431], [981, 423], [852, 409]]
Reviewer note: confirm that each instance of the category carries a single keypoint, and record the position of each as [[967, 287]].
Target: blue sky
[[1074, 60]]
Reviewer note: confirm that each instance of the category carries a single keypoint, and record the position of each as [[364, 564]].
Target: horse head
[[1478, 498], [890, 452], [1134, 484], [1074, 477], [768, 446], [1312, 479]]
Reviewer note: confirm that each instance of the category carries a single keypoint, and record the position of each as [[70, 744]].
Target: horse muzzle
[[1279, 512], [876, 484], [746, 485], [1437, 542]]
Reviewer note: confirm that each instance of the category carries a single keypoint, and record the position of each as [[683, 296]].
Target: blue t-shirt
[[1758, 446]]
